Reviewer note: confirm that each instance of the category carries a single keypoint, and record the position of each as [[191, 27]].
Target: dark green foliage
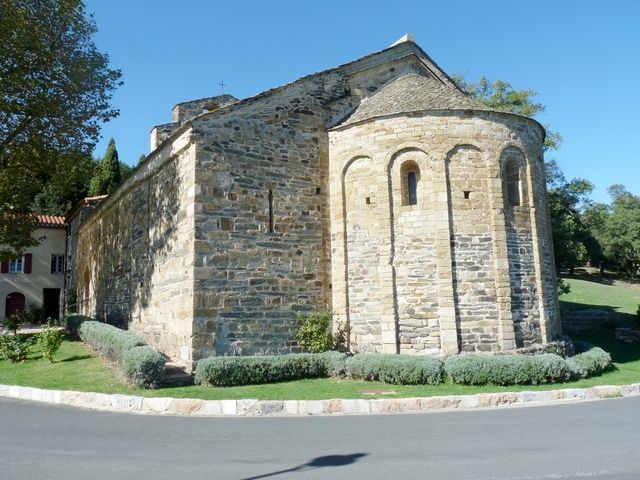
[[107, 175], [638, 313], [33, 314], [15, 348], [230, 371], [506, 369], [55, 90], [562, 287], [396, 369], [50, 340], [143, 367], [314, 332], [592, 362], [13, 322], [107, 339], [73, 322]]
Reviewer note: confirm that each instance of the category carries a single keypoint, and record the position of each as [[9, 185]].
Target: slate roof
[[412, 93]]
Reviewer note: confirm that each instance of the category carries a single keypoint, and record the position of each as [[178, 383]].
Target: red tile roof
[[50, 221]]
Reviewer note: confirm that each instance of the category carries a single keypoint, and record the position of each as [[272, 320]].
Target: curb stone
[[251, 407]]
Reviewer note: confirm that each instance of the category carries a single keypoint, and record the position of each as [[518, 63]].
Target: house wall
[[440, 276], [31, 285]]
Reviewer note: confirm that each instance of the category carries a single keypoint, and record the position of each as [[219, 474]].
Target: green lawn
[[589, 291], [76, 368]]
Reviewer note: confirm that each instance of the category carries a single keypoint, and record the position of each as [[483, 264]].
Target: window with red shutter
[[27, 262]]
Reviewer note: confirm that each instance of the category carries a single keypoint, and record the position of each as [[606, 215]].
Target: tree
[[107, 175], [572, 240], [620, 236], [500, 95], [55, 91]]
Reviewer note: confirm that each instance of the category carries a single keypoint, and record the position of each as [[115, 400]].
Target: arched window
[[412, 188], [410, 178], [513, 182]]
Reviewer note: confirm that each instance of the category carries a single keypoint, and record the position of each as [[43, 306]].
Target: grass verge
[[77, 368]]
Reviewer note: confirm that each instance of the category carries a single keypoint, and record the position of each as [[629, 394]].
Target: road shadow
[[318, 462]]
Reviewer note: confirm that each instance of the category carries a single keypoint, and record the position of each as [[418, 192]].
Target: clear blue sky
[[582, 57]]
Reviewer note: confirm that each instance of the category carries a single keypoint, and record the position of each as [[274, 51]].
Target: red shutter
[[5, 267], [27, 263]]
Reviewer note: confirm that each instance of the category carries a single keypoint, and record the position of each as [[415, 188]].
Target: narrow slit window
[[412, 188], [513, 182], [270, 211]]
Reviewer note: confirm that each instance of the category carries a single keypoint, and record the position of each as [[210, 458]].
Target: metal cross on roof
[[222, 85]]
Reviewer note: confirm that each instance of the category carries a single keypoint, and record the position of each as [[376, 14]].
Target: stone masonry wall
[[135, 253], [270, 155], [472, 250], [462, 238]]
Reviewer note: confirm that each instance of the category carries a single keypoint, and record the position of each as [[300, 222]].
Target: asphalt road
[[591, 440]]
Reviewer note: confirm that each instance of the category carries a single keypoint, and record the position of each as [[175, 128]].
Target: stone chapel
[[377, 190]]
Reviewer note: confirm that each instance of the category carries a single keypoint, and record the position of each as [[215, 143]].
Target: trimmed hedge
[[230, 371], [335, 363], [143, 367], [107, 339], [506, 369], [140, 364], [73, 321], [395, 369], [592, 362]]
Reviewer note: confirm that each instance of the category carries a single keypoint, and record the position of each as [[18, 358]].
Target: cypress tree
[[107, 175]]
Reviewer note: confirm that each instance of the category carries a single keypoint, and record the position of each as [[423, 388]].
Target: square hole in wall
[[467, 194], [318, 190], [368, 200]]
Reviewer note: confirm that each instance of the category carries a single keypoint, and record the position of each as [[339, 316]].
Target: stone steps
[[176, 376]]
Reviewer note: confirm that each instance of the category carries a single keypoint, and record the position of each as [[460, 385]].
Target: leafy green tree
[[55, 91], [125, 171], [141, 158], [621, 234], [567, 201], [107, 175], [573, 242], [501, 95], [62, 190]]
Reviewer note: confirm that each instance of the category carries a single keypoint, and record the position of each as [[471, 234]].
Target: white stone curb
[[250, 407]]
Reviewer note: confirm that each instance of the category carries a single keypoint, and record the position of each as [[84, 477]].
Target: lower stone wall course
[[252, 407]]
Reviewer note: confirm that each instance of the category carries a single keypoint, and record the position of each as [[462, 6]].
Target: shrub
[[506, 369], [73, 322], [335, 363], [33, 314], [396, 369], [230, 371], [107, 339], [140, 364], [638, 313], [314, 332], [13, 322], [143, 367], [50, 340], [592, 362], [15, 348]]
